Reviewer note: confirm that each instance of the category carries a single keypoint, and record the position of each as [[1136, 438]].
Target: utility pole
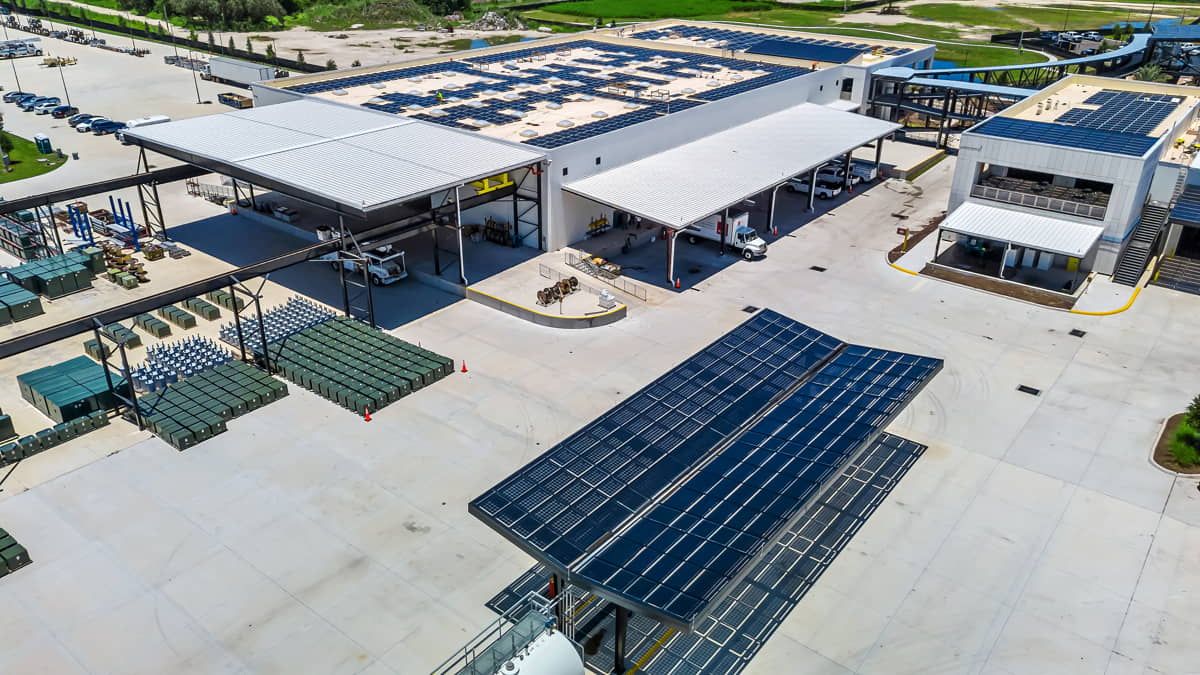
[[62, 77]]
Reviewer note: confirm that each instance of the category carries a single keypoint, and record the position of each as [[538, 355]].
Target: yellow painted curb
[[906, 271], [1132, 297]]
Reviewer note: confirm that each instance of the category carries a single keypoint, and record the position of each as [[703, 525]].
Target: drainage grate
[[1075, 332], [1025, 389], [817, 268], [749, 309]]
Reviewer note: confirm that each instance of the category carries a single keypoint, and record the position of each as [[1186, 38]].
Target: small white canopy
[[1023, 229], [688, 183]]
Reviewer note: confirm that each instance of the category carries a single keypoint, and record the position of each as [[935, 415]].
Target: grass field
[[965, 54], [1011, 18], [656, 9], [23, 158]]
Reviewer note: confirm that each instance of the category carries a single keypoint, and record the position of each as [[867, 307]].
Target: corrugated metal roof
[[356, 157], [1023, 229], [685, 184]]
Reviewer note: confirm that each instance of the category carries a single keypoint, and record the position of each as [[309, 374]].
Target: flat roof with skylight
[[1123, 117]]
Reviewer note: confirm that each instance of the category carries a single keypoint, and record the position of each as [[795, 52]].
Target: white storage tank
[[551, 653]]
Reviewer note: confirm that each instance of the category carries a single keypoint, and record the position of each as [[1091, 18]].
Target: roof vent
[[565, 124]]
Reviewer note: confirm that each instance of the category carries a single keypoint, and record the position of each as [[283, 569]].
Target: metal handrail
[[1039, 202]]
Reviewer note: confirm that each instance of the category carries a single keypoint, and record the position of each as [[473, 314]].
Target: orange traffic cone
[[775, 230], [677, 284], [366, 414], [464, 366]]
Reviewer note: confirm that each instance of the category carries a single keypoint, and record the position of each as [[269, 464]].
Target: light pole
[[1150, 17], [62, 77], [171, 32], [13, 62], [1067, 16]]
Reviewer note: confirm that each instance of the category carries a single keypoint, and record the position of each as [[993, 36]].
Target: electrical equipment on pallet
[[72, 389]]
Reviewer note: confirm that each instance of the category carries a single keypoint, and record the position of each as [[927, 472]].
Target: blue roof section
[[1112, 142], [1173, 32], [1187, 207], [806, 52]]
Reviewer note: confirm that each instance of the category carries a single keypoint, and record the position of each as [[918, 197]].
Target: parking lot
[[119, 86], [1032, 536]]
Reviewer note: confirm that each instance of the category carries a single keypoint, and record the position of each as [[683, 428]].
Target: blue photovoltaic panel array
[[1123, 111], [1067, 136], [485, 100], [742, 40], [700, 470], [806, 52], [1187, 207], [563, 502], [678, 556]]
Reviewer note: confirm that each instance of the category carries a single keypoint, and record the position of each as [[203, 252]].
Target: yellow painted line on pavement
[[658, 644]]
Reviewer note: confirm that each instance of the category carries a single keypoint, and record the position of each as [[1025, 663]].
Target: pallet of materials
[[17, 304], [122, 335], [226, 300], [203, 308], [96, 349], [19, 239], [13, 556], [58, 275], [72, 389], [152, 325], [356, 366], [177, 316], [196, 409], [28, 446]]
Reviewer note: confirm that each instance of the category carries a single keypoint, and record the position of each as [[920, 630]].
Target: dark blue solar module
[[1123, 111], [1068, 136], [667, 498], [743, 40], [792, 50], [1187, 207]]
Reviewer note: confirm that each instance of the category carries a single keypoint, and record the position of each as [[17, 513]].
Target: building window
[[564, 170], [822, 88], [597, 161]]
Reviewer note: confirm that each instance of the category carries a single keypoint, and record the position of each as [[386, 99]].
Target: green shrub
[[1185, 444], [1192, 416]]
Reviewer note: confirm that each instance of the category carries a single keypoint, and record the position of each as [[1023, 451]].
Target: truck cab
[[741, 236], [384, 265]]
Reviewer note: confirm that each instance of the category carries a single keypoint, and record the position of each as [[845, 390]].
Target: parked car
[[836, 175], [29, 104], [824, 190], [20, 100], [64, 111], [86, 125], [107, 127], [866, 171], [45, 107], [11, 96], [76, 120], [1093, 35]]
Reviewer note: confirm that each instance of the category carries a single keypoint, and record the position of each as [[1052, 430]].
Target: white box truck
[[740, 235], [233, 71]]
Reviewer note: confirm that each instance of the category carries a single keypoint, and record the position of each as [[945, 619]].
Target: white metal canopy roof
[[1023, 229], [360, 158], [685, 184]]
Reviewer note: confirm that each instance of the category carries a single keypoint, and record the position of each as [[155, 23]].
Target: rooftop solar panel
[[805, 52], [1064, 135], [670, 495]]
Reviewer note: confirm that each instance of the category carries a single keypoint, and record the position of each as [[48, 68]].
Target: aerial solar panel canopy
[[1063, 135], [666, 501]]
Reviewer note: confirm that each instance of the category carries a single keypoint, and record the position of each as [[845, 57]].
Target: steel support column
[[462, 264], [878, 152], [812, 189], [621, 629], [846, 164], [723, 230], [342, 266], [672, 236], [237, 322]]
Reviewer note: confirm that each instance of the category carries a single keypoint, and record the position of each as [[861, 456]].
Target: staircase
[[1181, 274], [1132, 262]]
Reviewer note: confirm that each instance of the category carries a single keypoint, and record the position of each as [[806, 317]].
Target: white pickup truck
[[824, 190], [382, 268], [740, 235]]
